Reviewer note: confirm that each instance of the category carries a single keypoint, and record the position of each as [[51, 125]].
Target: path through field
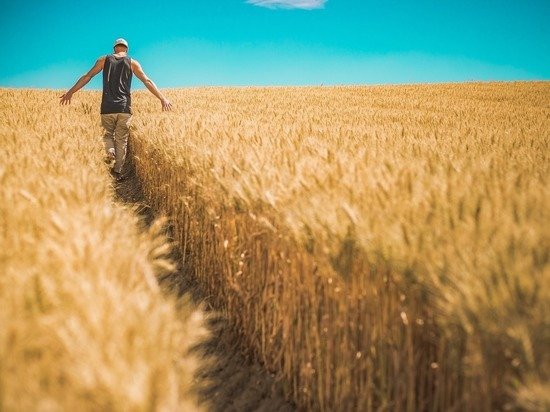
[[235, 382]]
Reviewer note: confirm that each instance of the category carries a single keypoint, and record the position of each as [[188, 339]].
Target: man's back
[[116, 102], [117, 81]]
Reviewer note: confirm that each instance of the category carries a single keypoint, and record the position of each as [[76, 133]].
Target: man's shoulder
[[135, 64]]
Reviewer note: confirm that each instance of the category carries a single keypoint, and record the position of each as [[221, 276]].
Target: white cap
[[121, 41]]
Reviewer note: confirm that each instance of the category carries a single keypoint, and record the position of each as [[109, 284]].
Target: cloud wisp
[[289, 4]]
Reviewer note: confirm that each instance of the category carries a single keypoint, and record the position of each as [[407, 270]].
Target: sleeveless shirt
[[117, 80]]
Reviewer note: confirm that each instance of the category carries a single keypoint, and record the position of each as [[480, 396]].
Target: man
[[116, 102]]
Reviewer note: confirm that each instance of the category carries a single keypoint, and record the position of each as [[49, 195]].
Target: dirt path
[[234, 383]]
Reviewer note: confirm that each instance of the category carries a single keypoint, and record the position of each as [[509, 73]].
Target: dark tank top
[[117, 79]]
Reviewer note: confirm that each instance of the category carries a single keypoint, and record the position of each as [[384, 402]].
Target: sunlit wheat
[[83, 324], [378, 247]]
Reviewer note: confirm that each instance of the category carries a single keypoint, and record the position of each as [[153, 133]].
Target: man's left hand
[[66, 98]]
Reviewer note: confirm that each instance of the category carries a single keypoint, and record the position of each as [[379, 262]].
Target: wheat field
[[376, 247], [379, 247], [83, 322]]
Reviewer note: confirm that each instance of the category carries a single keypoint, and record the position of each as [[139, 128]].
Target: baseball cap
[[121, 41]]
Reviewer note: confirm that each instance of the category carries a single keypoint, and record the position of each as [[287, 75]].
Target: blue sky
[[49, 44]]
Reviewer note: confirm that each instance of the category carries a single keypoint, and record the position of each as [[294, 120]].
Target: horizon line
[[436, 82]]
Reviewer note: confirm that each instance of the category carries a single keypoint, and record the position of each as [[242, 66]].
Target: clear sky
[[50, 43]]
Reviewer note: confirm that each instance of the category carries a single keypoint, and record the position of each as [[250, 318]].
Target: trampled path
[[233, 382]]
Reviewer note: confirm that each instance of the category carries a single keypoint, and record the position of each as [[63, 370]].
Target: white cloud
[[289, 4]]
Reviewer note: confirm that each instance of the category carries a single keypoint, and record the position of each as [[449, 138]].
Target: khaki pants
[[117, 130]]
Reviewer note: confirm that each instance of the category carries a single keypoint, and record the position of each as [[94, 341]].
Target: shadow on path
[[233, 382]]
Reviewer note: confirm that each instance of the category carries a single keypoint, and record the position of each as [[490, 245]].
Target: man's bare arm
[[98, 66], [140, 74]]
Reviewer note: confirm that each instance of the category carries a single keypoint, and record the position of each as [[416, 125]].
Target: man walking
[[116, 101]]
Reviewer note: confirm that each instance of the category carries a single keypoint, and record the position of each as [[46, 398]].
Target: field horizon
[[138, 86]]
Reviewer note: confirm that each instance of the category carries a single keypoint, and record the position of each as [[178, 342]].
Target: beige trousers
[[117, 130]]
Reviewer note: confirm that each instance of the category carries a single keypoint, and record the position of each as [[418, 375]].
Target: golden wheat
[[83, 324], [379, 247]]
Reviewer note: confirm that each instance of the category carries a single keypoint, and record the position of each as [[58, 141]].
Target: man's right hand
[[166, 105]]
